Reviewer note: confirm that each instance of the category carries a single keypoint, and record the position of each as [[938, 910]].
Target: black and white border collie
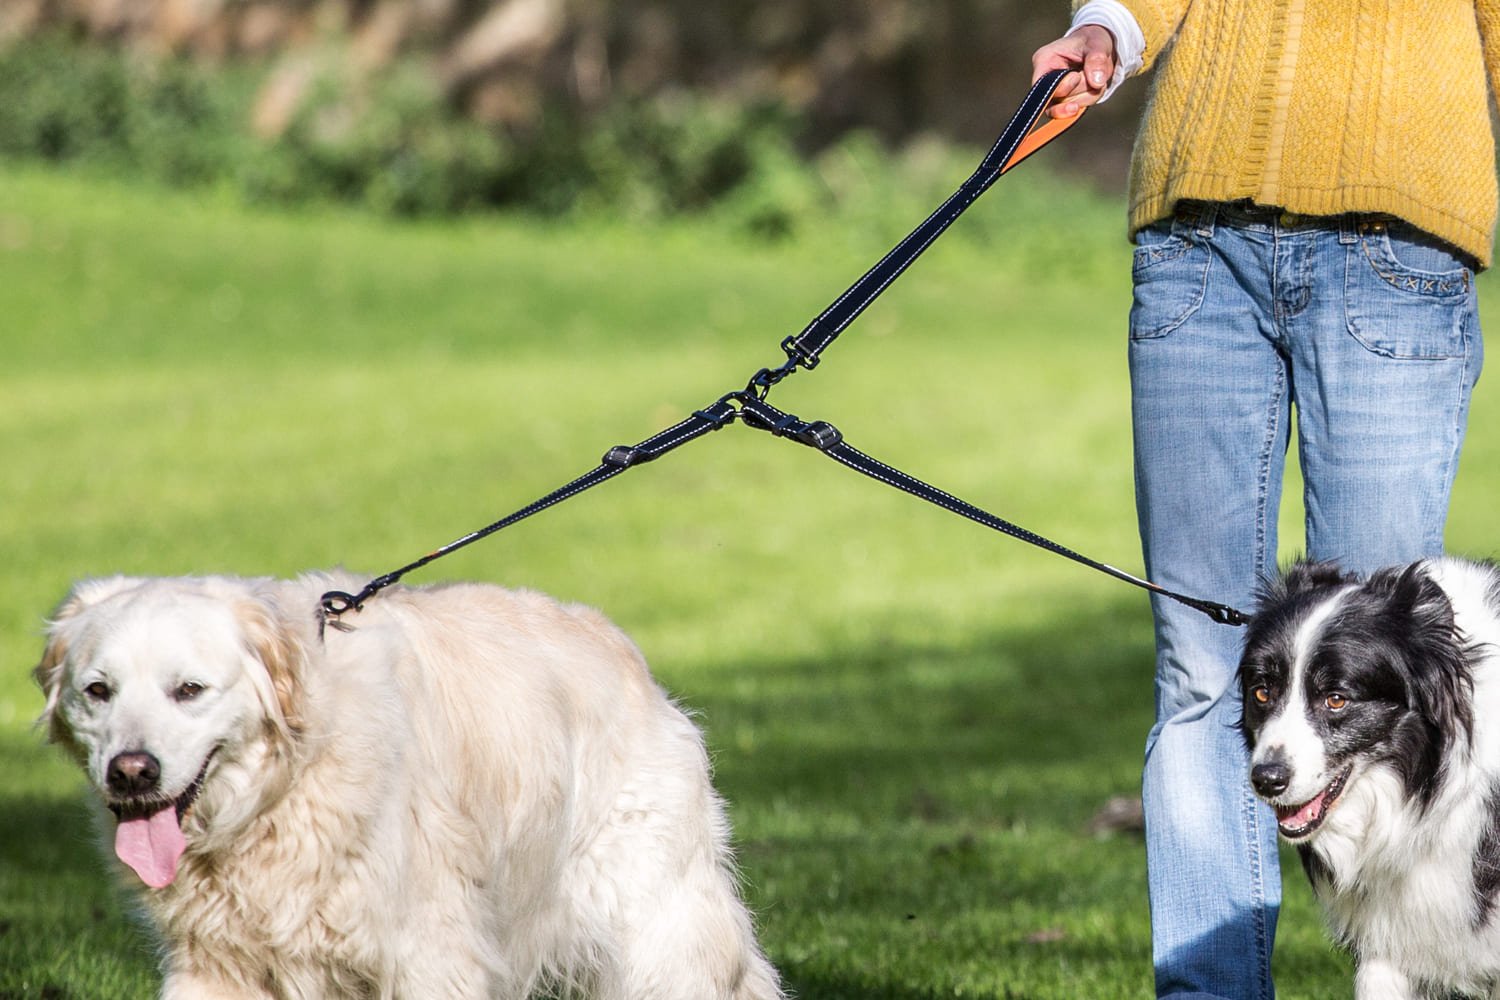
[[1372, 714]]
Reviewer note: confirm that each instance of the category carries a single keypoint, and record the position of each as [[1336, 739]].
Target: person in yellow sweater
[[1311, 194]]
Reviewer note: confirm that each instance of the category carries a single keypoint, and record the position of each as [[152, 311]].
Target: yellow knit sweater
[[1322, 107]]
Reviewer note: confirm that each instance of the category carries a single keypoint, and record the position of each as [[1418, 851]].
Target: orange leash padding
[[1039, 137]]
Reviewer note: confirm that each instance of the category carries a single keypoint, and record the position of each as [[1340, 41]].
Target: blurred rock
[[1121, 814]]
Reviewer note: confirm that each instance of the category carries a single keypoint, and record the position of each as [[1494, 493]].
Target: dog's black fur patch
[[1392, 677], [1487, 862], [1390, 647]]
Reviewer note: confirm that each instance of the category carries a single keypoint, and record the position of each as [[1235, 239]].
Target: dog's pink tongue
[[152, 846], [1294, 819]]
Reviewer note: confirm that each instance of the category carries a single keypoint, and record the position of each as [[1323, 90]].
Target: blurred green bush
[[63, 103], [391, 142]]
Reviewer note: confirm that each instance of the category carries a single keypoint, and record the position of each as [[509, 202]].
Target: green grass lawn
[[914, 719]]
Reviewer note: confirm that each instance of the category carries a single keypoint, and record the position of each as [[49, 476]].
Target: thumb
[[1098, 69]]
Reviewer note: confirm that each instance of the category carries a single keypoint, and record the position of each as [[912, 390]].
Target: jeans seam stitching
[[1250, 822], [1263, 475], [1456, 429], [1258, 894]]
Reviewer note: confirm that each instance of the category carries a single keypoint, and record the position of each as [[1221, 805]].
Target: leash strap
[[1017, 142], [1021, 138], [824, 437], [1013, 146], [615, 461]]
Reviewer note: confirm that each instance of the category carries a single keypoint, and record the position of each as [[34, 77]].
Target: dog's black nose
[[134, 773], [1271, 778]]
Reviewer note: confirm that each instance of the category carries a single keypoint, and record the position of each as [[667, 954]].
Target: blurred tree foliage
[[423, 106]]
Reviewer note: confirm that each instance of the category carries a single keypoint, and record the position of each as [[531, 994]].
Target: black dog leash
[[1021, 137], [826, 438], [616, 461]]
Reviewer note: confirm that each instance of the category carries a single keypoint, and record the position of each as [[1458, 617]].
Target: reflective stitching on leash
[[802, 351]]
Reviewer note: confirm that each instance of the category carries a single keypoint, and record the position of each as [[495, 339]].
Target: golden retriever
[[467, 792]]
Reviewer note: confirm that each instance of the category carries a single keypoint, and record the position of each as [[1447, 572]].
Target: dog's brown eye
[[1335, 701], [187, 691], [1262, 695], [99, 691]]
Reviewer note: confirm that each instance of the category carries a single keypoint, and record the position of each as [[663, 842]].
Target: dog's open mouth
[[1296, 822], [148, 835]]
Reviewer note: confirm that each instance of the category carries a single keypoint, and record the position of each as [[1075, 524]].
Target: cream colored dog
[[469, 793]]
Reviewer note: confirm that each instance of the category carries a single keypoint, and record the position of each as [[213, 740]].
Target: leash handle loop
[[1038, 137]]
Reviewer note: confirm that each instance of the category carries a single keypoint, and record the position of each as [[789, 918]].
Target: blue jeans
[[1370, 331]]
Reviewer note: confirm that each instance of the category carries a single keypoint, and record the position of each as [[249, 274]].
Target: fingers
[[1090, 53], [1065, 53]]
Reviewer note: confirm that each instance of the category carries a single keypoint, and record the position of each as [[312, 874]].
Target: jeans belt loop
[[1350, 225], [1207, 215]]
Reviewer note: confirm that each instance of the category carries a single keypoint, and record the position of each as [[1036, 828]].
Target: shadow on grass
[[47, 836], [1034, 716], [914, 820], [815, 986], [64, 932]]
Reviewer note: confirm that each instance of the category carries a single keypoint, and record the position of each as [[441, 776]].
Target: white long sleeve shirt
[[1130, 43]]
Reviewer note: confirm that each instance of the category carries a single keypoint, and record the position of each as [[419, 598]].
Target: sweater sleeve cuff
[[1130, 43]]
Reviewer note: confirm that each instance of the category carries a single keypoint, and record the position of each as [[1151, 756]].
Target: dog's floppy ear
[[1419, 603], [1307, 575], [48, 673], [1439, 676], [1440, 651], [281, 650], [1302, 580]]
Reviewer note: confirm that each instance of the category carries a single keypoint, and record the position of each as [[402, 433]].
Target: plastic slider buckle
[[798, 354], [788, 426], [621, 456], [820, 434], [721, 413]]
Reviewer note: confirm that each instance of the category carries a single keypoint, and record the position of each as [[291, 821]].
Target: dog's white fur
[[471, 793], [1401, 894]]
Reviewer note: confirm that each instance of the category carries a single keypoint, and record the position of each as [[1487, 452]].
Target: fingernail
[[1098, 78]]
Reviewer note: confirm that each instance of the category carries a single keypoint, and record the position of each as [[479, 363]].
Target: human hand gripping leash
[[1021, 137]]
